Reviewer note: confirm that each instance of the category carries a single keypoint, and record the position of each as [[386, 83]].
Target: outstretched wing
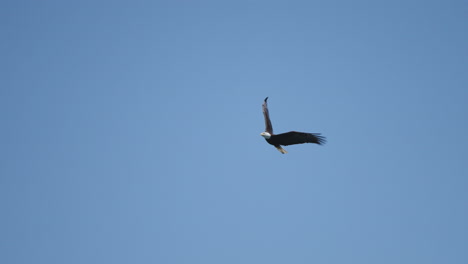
[[268, 127], [293, 137]]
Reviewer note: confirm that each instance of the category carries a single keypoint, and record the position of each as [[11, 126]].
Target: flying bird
[[288, 138]]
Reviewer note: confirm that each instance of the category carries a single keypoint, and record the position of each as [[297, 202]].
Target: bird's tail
[[280, 149]]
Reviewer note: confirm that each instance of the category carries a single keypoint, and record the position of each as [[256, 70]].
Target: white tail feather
[[282, 150]]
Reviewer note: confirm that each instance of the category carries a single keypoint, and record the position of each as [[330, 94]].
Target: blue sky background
[[130, 132]]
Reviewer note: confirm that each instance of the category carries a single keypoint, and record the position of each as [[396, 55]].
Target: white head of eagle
[[288, 138], [266, 135]]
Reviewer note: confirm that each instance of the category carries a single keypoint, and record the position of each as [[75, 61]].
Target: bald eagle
[[288, 138]]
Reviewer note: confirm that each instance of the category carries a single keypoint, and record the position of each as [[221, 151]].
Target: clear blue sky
[[130, 132]]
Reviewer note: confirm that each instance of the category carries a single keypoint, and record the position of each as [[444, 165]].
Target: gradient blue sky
[[130, 132]]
